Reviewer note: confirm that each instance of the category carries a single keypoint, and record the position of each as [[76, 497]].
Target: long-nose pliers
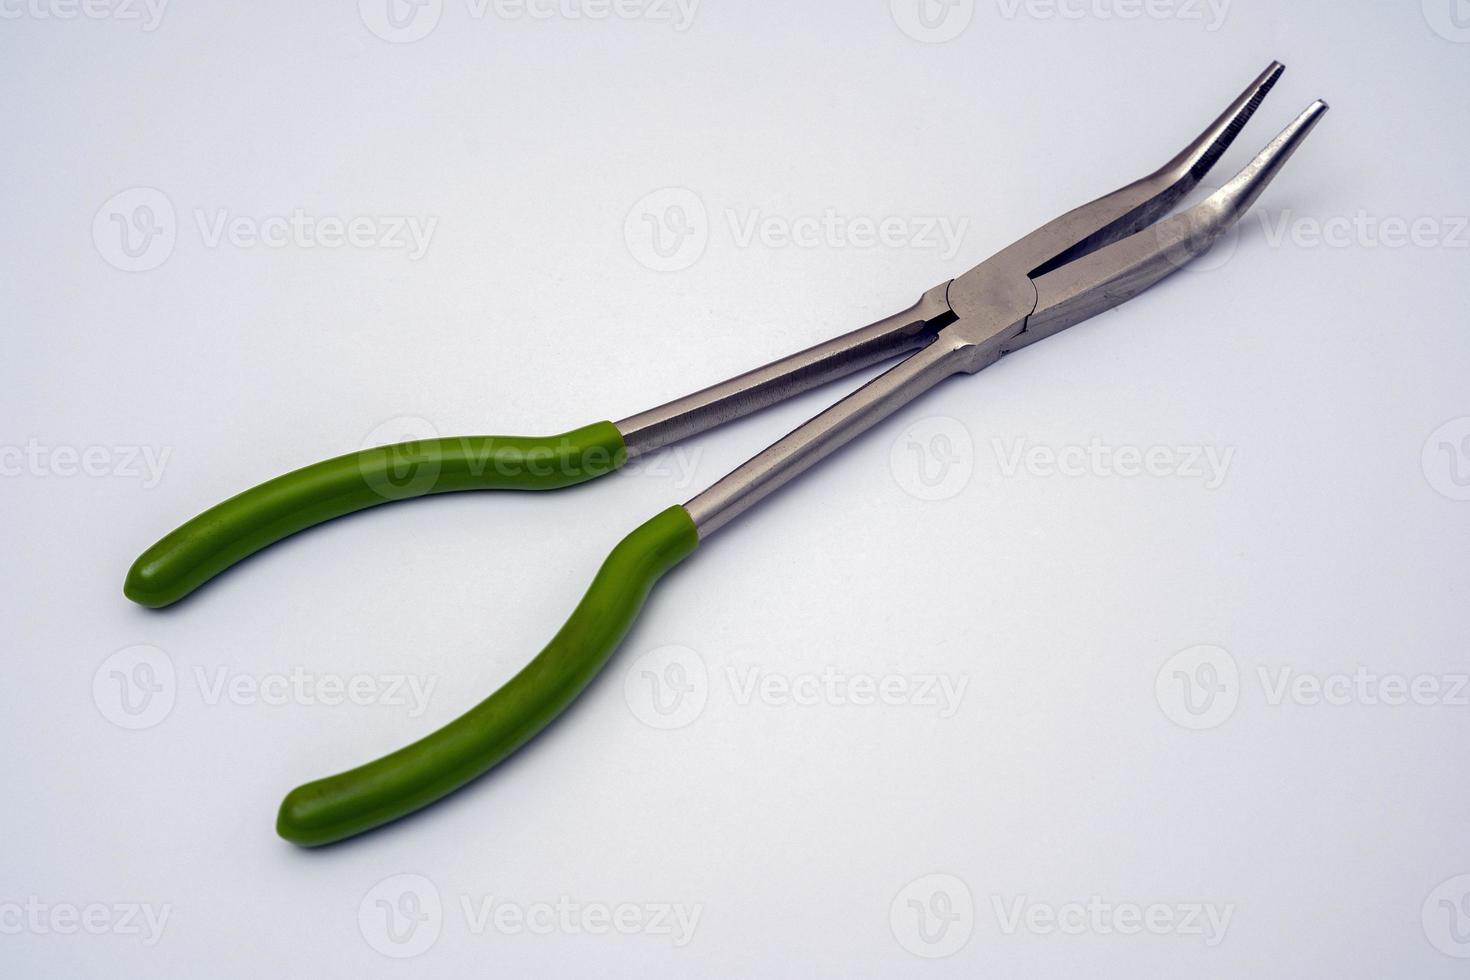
[[1084, 262]]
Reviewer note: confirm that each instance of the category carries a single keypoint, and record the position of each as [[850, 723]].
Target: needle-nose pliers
[[1084, 262]]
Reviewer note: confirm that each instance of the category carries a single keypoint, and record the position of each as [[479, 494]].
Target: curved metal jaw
[[1108, 251], [1120, 271]]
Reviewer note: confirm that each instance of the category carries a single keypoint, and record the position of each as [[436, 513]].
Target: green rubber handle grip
[[197, 551], [371, 795]]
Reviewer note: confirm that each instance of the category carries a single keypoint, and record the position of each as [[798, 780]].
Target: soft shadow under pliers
[[1087, 261]]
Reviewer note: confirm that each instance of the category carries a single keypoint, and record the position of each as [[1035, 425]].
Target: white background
[[812, 836]]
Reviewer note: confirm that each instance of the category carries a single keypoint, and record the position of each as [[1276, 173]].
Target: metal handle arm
[[814, 440], [788, 377]]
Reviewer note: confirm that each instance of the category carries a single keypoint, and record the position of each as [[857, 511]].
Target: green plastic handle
[[371, 795], [197, 551]]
